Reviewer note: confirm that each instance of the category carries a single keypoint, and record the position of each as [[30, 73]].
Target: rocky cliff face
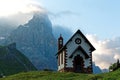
[[96, 69], [36, 41]]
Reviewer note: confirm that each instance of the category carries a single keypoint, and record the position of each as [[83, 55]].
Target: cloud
[[1, 38], [107, 51], [62, 13], [11, 7], [66, 18], [21, 11], [22, 15]]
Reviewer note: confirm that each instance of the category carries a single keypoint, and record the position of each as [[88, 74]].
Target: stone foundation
[[69, 69]]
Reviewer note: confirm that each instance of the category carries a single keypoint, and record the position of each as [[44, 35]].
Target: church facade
[[75, 55]]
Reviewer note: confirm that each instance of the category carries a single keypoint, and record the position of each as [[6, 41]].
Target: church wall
[[83, 44], [70, 60], [71, 46], [87, 62], [62, 65], [86, 47]]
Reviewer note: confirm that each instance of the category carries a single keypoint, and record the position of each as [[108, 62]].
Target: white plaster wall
[[87, 63], [71, 46], [83, 44], [61, 65]]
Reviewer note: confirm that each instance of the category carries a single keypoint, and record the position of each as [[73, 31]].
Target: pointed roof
[[60, 37], [78, 32], [83, 51]]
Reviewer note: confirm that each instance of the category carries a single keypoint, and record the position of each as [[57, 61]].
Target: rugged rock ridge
[[36, 41]]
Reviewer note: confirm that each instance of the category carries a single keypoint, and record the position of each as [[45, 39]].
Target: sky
[[97, 19], [100, 17]]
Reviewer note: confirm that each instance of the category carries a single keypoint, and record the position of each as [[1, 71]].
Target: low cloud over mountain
[[19, 17]]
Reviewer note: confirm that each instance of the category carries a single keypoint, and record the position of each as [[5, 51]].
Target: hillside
[[47, 75], [13, 61]]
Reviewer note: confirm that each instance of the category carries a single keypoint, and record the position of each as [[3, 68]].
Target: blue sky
[[100, 17]]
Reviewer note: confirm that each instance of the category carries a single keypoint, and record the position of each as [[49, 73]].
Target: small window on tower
[[60, 41]]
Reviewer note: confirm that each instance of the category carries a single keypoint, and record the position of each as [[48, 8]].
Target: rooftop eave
[[64, 47]]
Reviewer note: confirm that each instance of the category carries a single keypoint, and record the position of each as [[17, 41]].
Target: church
[[75, 55]]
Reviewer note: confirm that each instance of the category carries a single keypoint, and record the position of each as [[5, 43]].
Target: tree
[[118, 63], [114, 66]]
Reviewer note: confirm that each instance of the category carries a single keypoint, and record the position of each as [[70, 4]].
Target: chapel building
[[75, 55]]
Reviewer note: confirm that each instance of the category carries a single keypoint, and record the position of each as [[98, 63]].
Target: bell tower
[[60, 42]]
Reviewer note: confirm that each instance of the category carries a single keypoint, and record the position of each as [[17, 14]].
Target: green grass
[[107, 76], [49, 75], [46, 75]]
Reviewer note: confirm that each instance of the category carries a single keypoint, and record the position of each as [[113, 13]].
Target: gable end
[[79, 32], [81, 49]]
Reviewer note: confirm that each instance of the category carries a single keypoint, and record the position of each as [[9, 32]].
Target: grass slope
[[47, 75], [107, 76], [13, 61]]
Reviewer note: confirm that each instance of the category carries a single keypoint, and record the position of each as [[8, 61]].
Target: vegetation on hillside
[[114, 66], [49, 75], [13, 61]]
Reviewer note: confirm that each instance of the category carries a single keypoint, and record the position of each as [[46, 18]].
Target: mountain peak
[[40, 20], [35, 39], [39, 15]]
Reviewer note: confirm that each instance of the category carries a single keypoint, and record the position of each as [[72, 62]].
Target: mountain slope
[[35, 40], [63, 76], [96, 69], [13, 61]]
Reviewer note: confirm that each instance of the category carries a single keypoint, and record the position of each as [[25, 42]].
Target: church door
[[78, 64]]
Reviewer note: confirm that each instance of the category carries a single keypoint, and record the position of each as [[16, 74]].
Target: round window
[[78, 41]]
